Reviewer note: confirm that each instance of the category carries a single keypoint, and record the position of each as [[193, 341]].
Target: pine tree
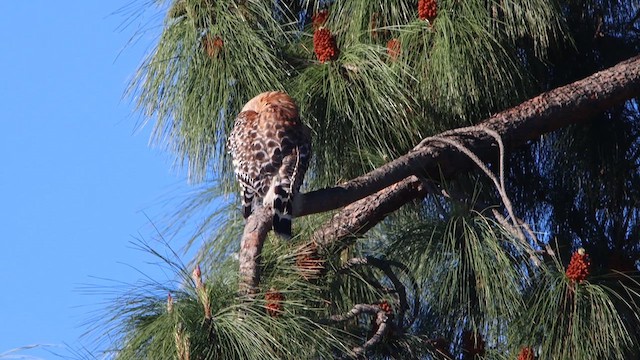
[[488, 236]]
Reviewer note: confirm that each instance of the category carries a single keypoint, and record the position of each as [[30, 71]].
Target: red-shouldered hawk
[[271, 149]]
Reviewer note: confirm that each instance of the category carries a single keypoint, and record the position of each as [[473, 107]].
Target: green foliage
[[361, 104], [214, 210], [576, 320], [463, 69], [445, 268], [195, 95], [604, 194], [477, 276], [473, 271], [148, 325], [364, 103]]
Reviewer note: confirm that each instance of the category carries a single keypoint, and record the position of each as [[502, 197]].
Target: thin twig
[[381, 322], [385, 266], [515, 226]]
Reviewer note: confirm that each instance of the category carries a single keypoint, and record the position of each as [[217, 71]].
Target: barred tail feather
[[282, 225], [247, 201], [282, 211]]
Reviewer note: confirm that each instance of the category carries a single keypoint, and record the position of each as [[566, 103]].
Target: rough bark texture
[[558, 108], [253, 237], [370, 197], [357, 218], [547, 112]]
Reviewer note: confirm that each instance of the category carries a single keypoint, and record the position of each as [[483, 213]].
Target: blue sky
[[77, 183]]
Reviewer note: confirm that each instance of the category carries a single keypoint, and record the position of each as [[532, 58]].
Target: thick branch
[[253, 237], [370, 197], [357, 218], [547, 112]]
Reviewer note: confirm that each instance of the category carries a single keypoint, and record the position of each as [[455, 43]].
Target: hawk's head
[[273, 101]]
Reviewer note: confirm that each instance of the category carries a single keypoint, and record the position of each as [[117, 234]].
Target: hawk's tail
[[282, 210], [247, 202], [283, 189]]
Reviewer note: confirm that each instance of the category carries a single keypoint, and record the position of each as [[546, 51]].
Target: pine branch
[[381, 322], [366, 200], [253, 237], [398, 287], [360, 216]]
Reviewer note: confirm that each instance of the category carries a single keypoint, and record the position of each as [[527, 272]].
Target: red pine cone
[[373, 25], [213, 45], [427, 10], [324, 45], [578, 268], [319, 18], [274, 302], [386, 307], [393, 48], [472, 343], [526, 354]]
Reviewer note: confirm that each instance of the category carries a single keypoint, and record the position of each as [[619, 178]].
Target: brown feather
[[271, 150]]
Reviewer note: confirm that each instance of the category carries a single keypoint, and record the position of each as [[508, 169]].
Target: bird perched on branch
[[271, 149]]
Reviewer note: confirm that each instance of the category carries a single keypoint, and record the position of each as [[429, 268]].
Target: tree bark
[[544, 113], [367, 199], [547, 112], [255, 232]]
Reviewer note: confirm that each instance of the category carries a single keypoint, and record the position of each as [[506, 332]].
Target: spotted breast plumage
[[270, 149]]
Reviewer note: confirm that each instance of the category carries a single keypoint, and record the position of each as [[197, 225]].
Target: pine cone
[[386, 307], [377, 26], [274, 301], [319, 18], [578, 268], [196, 275], [526, 354], [169, 303], [393, 48], [212, 45], [309, 267], [427, 10], [201, 290], [324, 45], [373, 25]]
